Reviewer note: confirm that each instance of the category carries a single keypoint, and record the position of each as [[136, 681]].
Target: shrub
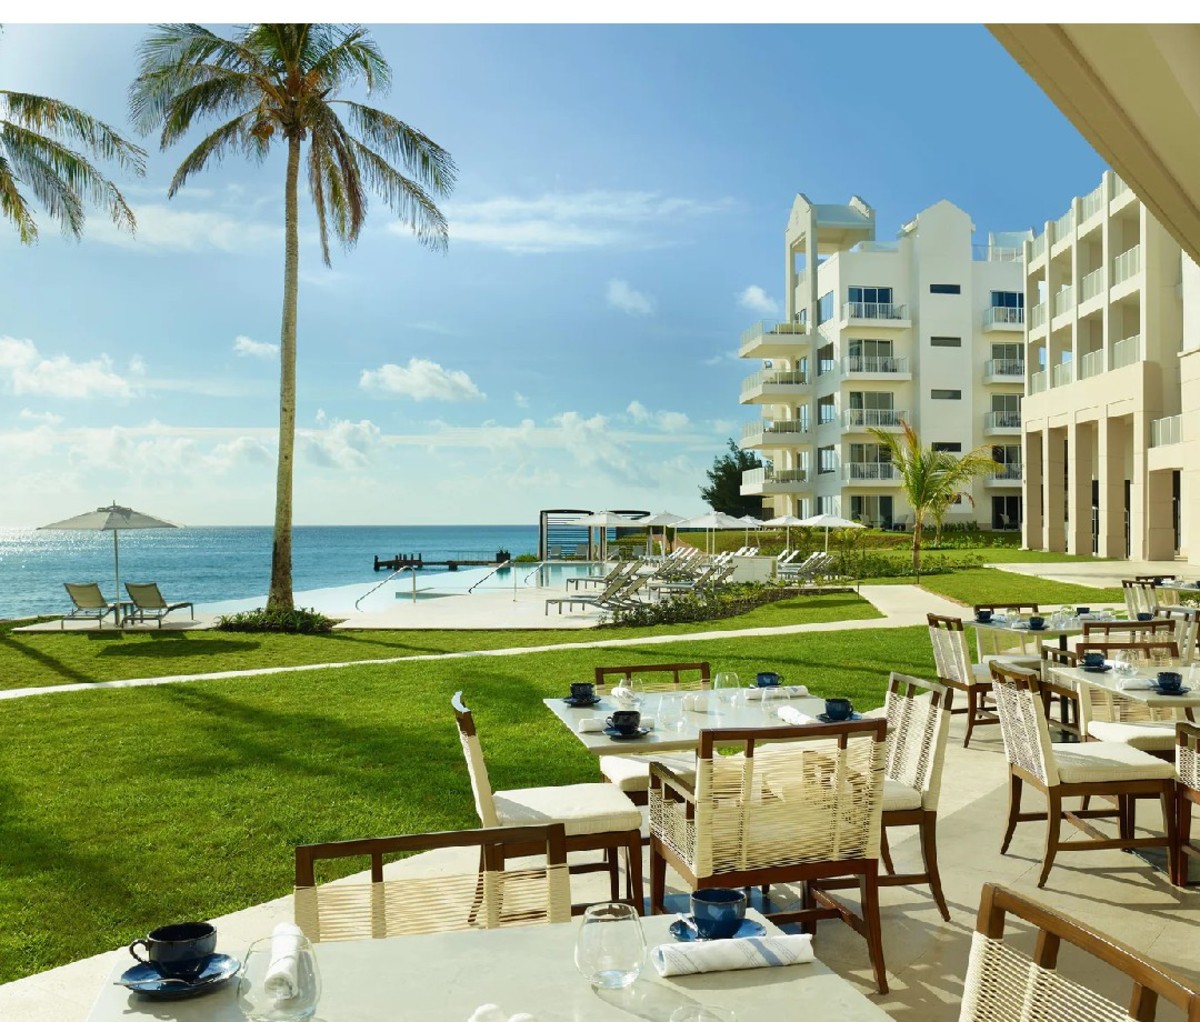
[[303, 620], [705, 605], [525, 559]]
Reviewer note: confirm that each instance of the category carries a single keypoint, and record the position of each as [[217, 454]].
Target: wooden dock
[[418, 562]]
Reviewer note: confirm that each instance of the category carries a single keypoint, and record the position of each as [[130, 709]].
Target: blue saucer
[[1097, 670], [620, 736], [824, 718], [1174, 692], [145, 980], [681, 931], [572, 701]]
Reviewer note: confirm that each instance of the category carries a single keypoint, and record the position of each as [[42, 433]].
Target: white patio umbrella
[[831, 522], [604, 520], [114, 519], [751, 523], [710, 522], [662, 520], [787, 521]]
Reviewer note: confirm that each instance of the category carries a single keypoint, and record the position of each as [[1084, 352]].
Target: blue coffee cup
[[767, 679], [583, 691], [1170, 681], [1036, 622], [1080, 611], [983, 616], [1093, 659], [625, 721], [718, 911], [1145, 616], [838, 709]]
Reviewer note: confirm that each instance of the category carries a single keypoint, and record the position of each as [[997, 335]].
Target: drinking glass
[[610, 947], [702, 1013], [726, 685], [669, 715], [1125, 661], [774, 698], [262, 997]]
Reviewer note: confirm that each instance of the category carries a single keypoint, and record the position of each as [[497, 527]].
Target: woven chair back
[[951, 656], [1016, 608], [1140, 597], [1187, 626], [481, 786], [1023, 724], [1052, 657], [1096, 703], [918, 720], [1160, 651], [1187, 754], [430, 900]]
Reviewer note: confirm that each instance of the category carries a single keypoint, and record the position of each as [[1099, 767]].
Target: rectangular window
[[946, 342], [871, 295], [1008, 300], [825, 307], [948, 445], [946, 395], [825, 411], [945, 289], [825, 362], [826, 460]]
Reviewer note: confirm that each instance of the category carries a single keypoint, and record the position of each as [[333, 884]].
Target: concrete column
[[1160, 535], [1110, 470], [1053, 441], [1139, 526], [1079, 487], [1032, 537]]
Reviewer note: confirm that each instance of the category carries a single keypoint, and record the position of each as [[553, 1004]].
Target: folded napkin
[[735, 953], [790, 715], [281, 982], [494, 1013], [793, 691], [593, 724]]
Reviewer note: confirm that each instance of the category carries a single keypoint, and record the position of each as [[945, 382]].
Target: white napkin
[[735, 953], [790, 715], [281, 982], [793, 691], [590, 725], [494, 1013]]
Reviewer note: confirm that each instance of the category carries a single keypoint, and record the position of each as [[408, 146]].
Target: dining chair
[[597, 817], [1108, 716], [1016, 608], [1055, 685], [1187, 625], [1187, 794], [1157, 630], [1140, 597], [1005, 982], [433, 901], [1078, 769], [952, 660], [795, 805], [631, 774], [1159, 651]]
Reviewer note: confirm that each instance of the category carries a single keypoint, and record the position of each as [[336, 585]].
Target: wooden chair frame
[[1187, 794], [1018, 608], [1168, 647], [958, 673], [1068, 697], [1155, 630]]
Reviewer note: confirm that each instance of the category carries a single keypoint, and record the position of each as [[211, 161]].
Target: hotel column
[[1139, 525], [1111, 473], [1032, 537], [1053, 485], [1079, 488]]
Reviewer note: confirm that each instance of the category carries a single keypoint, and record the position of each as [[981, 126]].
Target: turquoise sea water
[[216, 564]]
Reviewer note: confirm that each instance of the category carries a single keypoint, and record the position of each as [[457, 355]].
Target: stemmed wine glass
[[726, 687], [610, 948]]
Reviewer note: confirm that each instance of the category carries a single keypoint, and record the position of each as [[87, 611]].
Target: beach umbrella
[[604, 520], [711, 521], [828, 522], [751, 523], [114, 519], [787, 521], [663, 519]]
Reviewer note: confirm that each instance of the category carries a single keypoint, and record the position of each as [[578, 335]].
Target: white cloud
[[559, 222], [669, 422], [247, 347], [245, 450], [342, 445], [717, 360], [137, 365], [621, 296], [26, 371], [422, 380], [520, 400], [49, 418], [172, 229], [757, 300]]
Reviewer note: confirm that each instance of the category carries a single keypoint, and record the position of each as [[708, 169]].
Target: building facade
[[927, 330], [1113, 403]]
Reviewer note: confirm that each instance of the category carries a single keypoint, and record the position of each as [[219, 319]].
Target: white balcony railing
[[996, 254], [1119, 186], [1091, 284], [1011, 473], [755, 333], [875, 364], [873, 310], [1062, 374], [1165, 431], [764, 429], [872, 417], [770, 474], [1127, 264], [1091, 364], [1002, 420], [1092, 203], [1004, 367], [1126, 352], [1002, 316], [774, 377], [1064, 225], [1064, 301], [1037, 382], [1037, 316], [1039, 246], [868, 470]]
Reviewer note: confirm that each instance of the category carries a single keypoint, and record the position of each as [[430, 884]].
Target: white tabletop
[[445, 977], [719, 713], [1127, 684]]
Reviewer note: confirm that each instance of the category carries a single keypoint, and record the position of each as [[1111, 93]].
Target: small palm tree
[[281, 82], [931, 479]]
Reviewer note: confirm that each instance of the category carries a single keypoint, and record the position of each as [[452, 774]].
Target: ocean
[[217, 564]]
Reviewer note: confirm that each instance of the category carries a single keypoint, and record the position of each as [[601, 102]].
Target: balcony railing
[[1165, 431], [770, 474], [875, 364], [1091, 364], [772, 377], [1011, 472], [1127, 264], [873, 310], [1062, 374], [996, 254], [1037, 316], [774, 429], [1039, 246], [1037, 382], [1003, 316], [1126, 352], [872, 417], [1064, 301], [1091, 284], [1092, 203], [868, 470], [768, 326], [1064, 225], [1119, 186], [1002, 420], [1004, 367]]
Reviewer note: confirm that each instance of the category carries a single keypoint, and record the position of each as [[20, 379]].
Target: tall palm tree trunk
[[280, 596], [918, 528]]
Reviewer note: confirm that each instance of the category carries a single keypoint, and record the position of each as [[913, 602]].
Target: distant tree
[[724, 489]]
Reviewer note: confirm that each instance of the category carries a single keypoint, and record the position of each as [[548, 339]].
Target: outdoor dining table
[[1132, 685], [994, 629], [445, 977]]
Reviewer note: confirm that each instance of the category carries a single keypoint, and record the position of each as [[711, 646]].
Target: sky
[[617, 223]]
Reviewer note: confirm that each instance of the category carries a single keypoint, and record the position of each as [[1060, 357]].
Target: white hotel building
[[926, 329]]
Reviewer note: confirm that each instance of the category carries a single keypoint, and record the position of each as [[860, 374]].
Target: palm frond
[[13, 205], [394, 140], [406, 198], [45, 116], [350, 58], [214, 147]]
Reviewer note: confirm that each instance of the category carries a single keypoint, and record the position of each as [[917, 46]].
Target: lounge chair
[[89, 602], [149, 602]]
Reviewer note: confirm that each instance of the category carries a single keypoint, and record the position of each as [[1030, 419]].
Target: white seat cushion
[[898, 796], [632, 773], [583, 808], [1087, 762], [1149, 735]]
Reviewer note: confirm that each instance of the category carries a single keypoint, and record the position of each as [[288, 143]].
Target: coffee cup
[[583, 691], [1036, 622], [838, 709], [625, 721], [1170, 681], [1093, 659], [1080, 611], [718, 911], [178, 951], [1145, 616], [767, 679], [983, 616]]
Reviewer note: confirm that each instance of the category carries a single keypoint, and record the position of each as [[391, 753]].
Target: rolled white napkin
[[728, 955], [281, 981], [590, 725], [494, 1013], [790, 715], [793, 691]]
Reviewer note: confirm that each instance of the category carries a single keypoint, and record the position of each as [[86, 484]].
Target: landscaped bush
[[705, 605], [303, 621]]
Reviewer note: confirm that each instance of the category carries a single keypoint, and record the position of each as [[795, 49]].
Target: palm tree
[[282, 82], [930, 479]]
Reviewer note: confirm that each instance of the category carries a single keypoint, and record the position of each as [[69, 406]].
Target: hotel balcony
[[775, 386], [859, 472], [1005, 319], [764, 434], [768, 339], [1004, 370], [1164, 432], [1037, 318], [1009, 475], [1002, 423], [880, 367], [768, 480], [877, 314], [863, 419]]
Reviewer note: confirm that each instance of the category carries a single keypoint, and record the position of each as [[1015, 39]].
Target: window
[[872, 399], [946, 395], [828, 505], [1006, 411], [953, 446], [825, 411], [871, 303], [826, 460], [945, 289], [825, 362], [1008, 300], [946, 342], [871, 295], [825, 307]]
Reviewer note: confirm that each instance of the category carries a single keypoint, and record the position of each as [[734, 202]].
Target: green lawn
[[122, 809], [983, 585], [55, 658]]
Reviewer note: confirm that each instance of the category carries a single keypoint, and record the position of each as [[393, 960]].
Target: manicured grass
[[981, 585], [126, 808], [48, 658]]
